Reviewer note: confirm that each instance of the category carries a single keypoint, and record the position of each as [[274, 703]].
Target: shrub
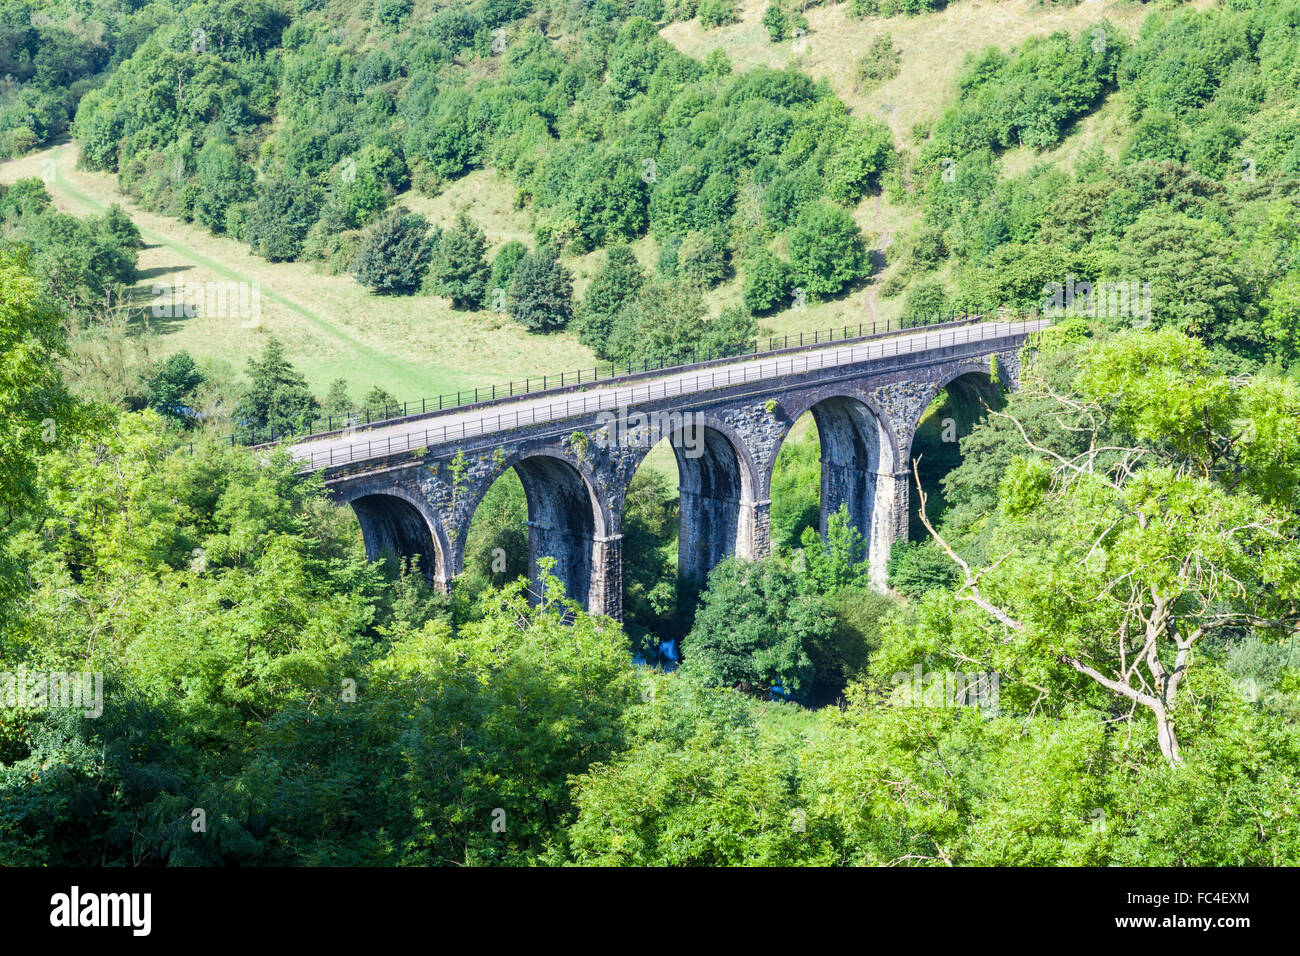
[[613, 285], [925, 297], [394, 254], [776, 22], [702, 259], [881, 62], [892, 286], [767, 283], [172, 386], [541, 295], [392, 12], [118, 226], [826, 251], [459, 268], [279, 218], [755, 629], [504, 264], [716, 13], [917, 567]]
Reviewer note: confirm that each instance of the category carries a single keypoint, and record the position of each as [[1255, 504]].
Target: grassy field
[[933, 47], [332, 327]]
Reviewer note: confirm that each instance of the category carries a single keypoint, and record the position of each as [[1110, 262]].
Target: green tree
[[1122, 561], [224, 180], [927, 297], [338, 400], [716, 13], [701, 782], [754, 629], [767, 283], [616, 281], [117, 225], [881, 62], [173, 386], [459, 269], [504, 264], [280, 217], [541, 295], [702, 259], [826, 251], [1281, 321], [776, 22], [839, 560], [394, 254], [667, 318], [1196, 285], [36, 408], [277, 399]]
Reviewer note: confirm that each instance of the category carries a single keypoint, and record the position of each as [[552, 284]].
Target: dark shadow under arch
[[855, 448], [393, 528], [564, 522], [714, 485]]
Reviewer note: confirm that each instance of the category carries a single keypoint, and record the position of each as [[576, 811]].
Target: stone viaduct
[[415, 483]]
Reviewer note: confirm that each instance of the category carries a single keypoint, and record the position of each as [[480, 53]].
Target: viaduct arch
[[414, 483]]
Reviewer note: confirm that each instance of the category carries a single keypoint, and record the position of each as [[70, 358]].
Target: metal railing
[[535, 384], [682, 385]]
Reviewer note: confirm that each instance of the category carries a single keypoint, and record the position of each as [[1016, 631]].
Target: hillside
[[415, 346]]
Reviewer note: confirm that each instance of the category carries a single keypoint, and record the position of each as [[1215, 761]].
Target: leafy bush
[[702, 259], [776, 22], [893, 8], [279, 218], [755, 629], [881, 62], [826, 251], [838, 561], [459, 268], [617, 280], [925, 297], [394, 254], [767, 283], [917, 567], [541, 295], [504, 264], [173, 386], [668, 318], [716, 13]]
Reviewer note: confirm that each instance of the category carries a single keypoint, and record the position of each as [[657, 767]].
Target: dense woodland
[[1118, 540]]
